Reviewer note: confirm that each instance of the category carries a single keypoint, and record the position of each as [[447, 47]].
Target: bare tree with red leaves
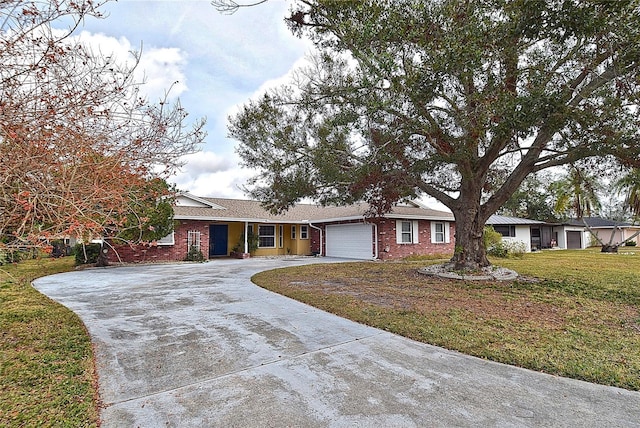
[[81, 151]]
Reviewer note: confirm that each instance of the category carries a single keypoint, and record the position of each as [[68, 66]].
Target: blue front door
[[218, 240]]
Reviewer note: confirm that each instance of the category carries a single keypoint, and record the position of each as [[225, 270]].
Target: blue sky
[[220, 61]]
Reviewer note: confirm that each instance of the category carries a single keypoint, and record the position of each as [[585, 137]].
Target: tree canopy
[[456, 100], [83, 153]]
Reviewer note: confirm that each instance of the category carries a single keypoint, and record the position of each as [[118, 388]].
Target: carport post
[[246, 237]]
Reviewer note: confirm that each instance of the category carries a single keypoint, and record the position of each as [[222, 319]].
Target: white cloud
[[159, 68], [206, 162], [210, 174], [227, 184], [162, 70]]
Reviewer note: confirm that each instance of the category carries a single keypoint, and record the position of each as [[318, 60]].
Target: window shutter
[[416, 232], [398, 231], [433, 232], [447, 237]]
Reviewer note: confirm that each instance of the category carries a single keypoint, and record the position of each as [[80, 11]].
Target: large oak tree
[[82, 152], [458, 100]]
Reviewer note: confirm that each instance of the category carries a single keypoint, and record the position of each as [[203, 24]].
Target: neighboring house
[[218, 227], [578, 236], [535, 235], [538, 235]]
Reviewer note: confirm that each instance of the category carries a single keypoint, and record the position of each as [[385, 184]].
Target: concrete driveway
[[198, 345]]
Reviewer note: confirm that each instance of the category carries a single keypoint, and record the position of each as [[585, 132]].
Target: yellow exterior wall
[[296, 246], [235, 232]]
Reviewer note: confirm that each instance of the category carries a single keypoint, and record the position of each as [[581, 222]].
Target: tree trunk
[[102, 259], [470, 253]]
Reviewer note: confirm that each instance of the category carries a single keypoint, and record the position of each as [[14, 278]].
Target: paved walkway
[[198, 345]]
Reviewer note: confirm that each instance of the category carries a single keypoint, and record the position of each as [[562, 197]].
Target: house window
[[293, 232], [266, 236], [439, 236], [304, 232], [505, 230], [193, 239], [167, 240], [280, 236], [406, 233], [440, 232]]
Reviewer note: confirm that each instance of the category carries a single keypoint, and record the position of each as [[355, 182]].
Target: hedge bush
[[91, 250]]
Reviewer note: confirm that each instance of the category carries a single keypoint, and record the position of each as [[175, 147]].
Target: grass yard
[[575, 314], [46, 363]]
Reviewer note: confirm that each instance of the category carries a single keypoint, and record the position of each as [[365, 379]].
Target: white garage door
[[351, 241]]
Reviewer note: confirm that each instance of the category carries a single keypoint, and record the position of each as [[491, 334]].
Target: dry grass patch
[[571, 322]]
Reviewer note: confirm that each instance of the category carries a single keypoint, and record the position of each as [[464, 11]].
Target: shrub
[[86, 253], [10, 256], [630, 243], [498, 250], [508, 249], [194, 255], [516, 249], [491, 238]]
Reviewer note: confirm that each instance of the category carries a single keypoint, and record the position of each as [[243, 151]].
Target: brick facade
[[387, 246], [162, 253], [390, 249]]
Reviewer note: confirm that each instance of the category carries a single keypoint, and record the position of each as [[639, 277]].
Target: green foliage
[[490, 237], [252, 243], [576, 194], [508, 249], [150, 215], [532, 200], [629, 184], [194, 255], [497, 247], [86, 253], [630, 244], [445, 98], [8, 256], [498, 250]]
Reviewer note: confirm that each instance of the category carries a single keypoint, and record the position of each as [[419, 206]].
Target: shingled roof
[[220, 209], [598, 222]]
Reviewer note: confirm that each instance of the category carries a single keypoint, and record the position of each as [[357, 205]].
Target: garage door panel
[[574, 240], [352, 241]]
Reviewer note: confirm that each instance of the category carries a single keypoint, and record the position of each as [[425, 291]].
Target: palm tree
[[576, 194], [630, 186]]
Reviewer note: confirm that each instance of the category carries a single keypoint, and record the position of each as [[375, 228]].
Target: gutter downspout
[[319, 230], [375, 241]]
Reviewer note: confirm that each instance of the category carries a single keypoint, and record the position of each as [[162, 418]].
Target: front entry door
[[218, 240]]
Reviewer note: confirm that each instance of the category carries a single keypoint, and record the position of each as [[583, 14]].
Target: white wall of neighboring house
[[563, 233], [523, 234]]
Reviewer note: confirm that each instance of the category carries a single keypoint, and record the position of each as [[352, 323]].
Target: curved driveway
[[198, 345]]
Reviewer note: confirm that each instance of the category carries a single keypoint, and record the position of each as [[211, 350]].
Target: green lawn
[[579, 318], [46, 363]]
